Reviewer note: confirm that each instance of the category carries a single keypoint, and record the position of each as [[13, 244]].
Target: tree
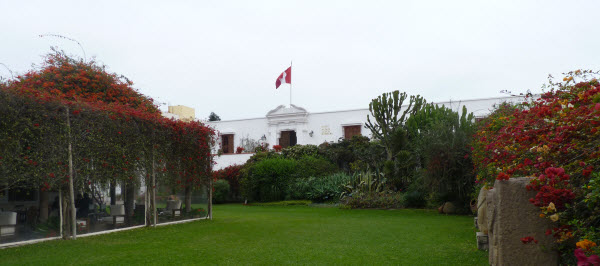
[[439, 141], [213, 117], [385, 110], [71, 126]]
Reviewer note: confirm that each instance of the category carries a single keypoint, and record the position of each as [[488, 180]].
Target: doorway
[[288, 138]]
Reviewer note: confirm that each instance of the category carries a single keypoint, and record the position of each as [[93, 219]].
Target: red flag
[[285, 77]]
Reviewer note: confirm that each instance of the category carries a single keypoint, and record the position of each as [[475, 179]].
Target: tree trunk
[[61, 220], [44, 198], [113, 192], [113, 196], [65, 214], [153, 197], [148, 211], [210, 195], [129, 203], [71, 189], [188, 199]]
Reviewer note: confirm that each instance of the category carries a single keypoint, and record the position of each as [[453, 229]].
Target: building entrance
[[288, 138]]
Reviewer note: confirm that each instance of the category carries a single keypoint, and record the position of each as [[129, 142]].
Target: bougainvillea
[[115, 133], [232, 175], [555, 139]]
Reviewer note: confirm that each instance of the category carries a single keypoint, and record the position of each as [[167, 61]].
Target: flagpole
[[290, 85]]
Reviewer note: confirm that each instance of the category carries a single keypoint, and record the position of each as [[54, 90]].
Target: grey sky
[[224, 56]]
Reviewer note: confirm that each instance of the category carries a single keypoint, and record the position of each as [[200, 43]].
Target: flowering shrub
[[231, 174], [547, 138], [277, 148], [199, 212], [239, 150], [584, 260], [71, 123]]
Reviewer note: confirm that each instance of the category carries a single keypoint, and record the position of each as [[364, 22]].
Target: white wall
[[325, 126], [230, 159], [253, 128], [328, 126]]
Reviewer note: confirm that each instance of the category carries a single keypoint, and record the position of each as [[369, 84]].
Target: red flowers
[[277, 148], [552, 187], [106, 111], [528, 239], [548, 138], [502, 176]]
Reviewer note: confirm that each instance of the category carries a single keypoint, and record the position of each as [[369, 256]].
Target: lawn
[[275, 235]]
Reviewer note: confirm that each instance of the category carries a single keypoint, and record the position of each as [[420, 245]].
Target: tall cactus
[[385, 110]]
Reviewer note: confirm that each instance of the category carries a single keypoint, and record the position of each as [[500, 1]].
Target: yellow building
[[183, 112]]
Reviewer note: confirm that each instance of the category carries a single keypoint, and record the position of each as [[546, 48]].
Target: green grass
[[272, 235]]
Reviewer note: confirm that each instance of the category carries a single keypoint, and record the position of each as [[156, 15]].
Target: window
[[287, 139], [227, 143], [351, 131]]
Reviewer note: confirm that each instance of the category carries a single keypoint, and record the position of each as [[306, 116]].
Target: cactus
[[384, 110]]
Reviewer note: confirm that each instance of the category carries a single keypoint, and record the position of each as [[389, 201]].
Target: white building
[[287, 126]]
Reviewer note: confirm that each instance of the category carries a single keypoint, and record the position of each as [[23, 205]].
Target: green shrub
[[268, 179], [285, 203], [259, 156], [414, 199], [440, 139], [221, 191], [366, 182], [384, 200], [356, 154], [319, 189], [232, 175], [315, 166], [300, 151]]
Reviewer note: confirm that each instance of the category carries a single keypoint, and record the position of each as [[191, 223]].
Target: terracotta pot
[[473, 205]]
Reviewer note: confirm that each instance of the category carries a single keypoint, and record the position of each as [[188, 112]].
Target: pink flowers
[[583, 260]]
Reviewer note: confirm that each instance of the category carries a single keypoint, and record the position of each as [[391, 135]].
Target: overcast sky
[[224, 56]]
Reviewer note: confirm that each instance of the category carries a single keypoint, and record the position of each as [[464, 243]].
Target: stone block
[[511, 217], [490, 214], [482, 241], [482, 210]]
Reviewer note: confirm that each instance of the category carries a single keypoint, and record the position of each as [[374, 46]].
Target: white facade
[[316, 128]]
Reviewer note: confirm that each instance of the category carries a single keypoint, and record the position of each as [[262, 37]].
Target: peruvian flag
[[285, 77]]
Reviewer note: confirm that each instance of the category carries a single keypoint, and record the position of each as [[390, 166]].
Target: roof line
[[361, 109]]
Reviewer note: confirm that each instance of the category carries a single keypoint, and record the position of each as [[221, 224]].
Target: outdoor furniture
[[118, 214], [173, 208], [8, 224]]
